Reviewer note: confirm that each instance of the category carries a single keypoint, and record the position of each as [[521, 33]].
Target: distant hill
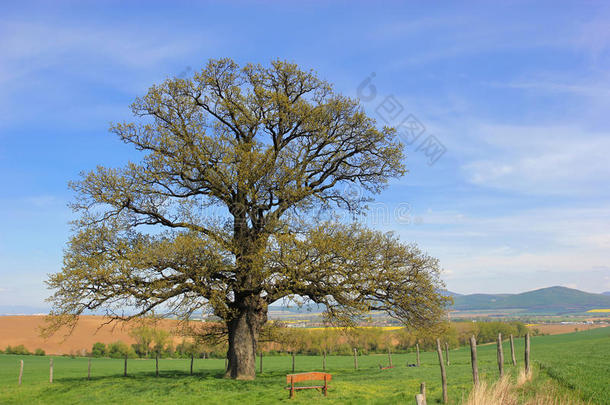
[[551, 299], [310, 308]]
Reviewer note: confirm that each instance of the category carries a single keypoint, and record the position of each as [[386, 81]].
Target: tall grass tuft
[[504, 392], [500, 393], [523, 377]]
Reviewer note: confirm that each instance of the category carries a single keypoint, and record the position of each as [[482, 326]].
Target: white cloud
[[544, 246], [31, 46], [539, 159], [52, 64]]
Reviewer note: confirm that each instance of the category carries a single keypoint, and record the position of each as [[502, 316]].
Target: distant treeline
[[22, 350], [151, 342], [376, 340]]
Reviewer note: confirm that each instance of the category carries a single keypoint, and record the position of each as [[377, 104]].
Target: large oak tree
[[230, 209]]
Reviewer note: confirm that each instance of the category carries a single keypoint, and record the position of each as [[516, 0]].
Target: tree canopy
[[231, 208]]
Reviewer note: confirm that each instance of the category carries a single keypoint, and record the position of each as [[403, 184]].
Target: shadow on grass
[[205, 375]]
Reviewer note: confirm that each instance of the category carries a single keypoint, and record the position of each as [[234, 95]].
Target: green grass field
[[579, 362]]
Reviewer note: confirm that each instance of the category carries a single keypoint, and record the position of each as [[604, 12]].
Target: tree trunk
[[243, 330]]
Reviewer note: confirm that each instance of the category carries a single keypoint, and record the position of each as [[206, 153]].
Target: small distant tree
[[120, 349], [161, 341], [39, 352], [99, 350], [144, 336], [231, 208], [20, 349], [186, 349]]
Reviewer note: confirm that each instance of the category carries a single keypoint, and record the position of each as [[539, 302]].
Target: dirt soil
[[556, 329], [25, 330]]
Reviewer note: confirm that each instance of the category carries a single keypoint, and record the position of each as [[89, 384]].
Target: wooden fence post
[[355, 359], [447, 353], [422, 391], [390, 356], [443, 373], [419, 399], [417, 348], [51, 370], [500, 356], [293, 361], [20, 372], [324, 361], [89, 369], [260, 361], [125, 369], [157, 364], [512, 350], [527, 352], [473, 360], [291, 386], [192, 361]]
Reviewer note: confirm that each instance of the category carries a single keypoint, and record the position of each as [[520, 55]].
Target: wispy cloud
[[51, 64], [548, 242], [558, 160]]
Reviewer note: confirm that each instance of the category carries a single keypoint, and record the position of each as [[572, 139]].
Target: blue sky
[[516, 93]]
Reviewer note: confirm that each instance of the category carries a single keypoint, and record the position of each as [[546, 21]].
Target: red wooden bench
[[385, 368], [291, 379]]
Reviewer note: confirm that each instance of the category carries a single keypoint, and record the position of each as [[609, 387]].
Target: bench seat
[[291, 379]]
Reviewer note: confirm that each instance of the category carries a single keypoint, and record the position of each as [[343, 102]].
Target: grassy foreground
[[579, 363]]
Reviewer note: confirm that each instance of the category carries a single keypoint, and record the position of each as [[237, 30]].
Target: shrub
[[17, 350], [98, 350], [39, 352], [488, 331], [118, 349]]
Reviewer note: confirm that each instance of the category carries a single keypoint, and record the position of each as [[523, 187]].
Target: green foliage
[[488, 331], [39, 352], [274, 148], [144, 336], [99, 350], [20, 349], [120, 349]]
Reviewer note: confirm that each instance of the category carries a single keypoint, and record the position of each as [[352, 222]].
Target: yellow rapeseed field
[[363, 327]]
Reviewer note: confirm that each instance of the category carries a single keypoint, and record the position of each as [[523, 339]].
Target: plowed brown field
[[557, 329], [25, 330]]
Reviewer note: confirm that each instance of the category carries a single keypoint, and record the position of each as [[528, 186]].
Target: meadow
[[577, 364]]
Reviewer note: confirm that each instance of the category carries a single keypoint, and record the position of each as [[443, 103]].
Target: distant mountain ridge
[[553, 299], [22, 310]]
